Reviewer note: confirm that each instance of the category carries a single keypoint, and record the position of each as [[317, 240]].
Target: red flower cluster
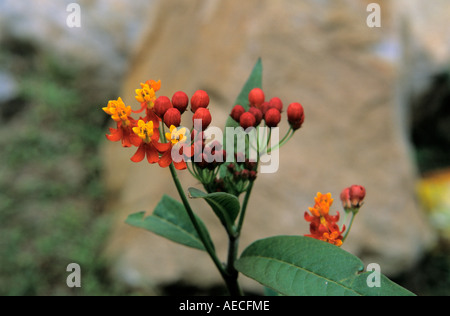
[[324, 226], [267, 111], [145, 133]]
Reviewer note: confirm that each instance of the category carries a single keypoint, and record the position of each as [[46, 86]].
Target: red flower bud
[[296, 115], [272, 117], [257, 114], [265, 107], [204, 115], [162, 104], [236, 113], [172, 117], [276, 103], [247, 120], [180, 100], [345, 198], [200, 99], [256, 97], [357, 194]]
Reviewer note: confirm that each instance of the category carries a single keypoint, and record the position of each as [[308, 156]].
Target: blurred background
[[64, 191]]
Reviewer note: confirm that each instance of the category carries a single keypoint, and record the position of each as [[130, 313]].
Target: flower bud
[[257, 114], [272, 117], [256, 97], [172, 117], [236, 113], [265, 107], [200, 99], [357, 194], [296, 115], [247, 120], [276, 103], [162, 104], [180, 100], [345, 199], [204, 115]]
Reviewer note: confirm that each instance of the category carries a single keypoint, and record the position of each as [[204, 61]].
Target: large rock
[[321, 54]]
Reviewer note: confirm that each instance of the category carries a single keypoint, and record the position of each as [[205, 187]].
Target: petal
[[180, 165], [152, 154], [162, 147], [116, 134], [166, 159], [140, 154]]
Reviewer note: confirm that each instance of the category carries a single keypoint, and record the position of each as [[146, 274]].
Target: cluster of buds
[[159, 136], [268, 112]]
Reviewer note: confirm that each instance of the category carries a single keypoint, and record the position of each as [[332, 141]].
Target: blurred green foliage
[[51, 196]]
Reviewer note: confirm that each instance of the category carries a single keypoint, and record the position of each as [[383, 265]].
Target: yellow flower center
[[146, 94], [144, 131], [176, 135], [118, 111]]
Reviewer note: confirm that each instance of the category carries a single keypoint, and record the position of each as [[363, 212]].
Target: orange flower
[[149, 146], [121, 114], [176, 140], [147, 97], [324, 226]]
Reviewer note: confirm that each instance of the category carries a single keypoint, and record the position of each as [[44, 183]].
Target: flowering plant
[[313, 264]]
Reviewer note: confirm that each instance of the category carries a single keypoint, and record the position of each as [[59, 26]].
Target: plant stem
[[349, 227], [244, 207], [232, 279], [200, 233]]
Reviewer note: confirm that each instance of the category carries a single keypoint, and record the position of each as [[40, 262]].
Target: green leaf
[[170, 220], [254, 81], [297, 265], [226, 206]]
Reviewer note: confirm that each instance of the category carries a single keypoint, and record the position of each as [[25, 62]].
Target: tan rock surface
[[320, 54]]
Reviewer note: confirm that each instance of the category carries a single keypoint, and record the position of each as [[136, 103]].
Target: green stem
[[349, 227], [244, 207], [232, 279], [200, 233]]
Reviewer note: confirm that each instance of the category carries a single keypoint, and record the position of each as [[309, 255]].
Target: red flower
[[121, 114]]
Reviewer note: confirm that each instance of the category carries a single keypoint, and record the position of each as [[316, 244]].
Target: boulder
[[319, 53]]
